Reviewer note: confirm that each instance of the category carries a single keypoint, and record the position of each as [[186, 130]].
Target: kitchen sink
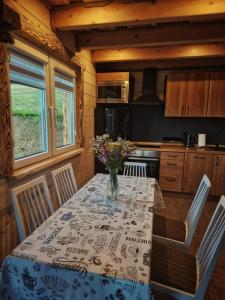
[[216, 148]]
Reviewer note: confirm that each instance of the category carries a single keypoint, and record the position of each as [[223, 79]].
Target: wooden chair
[[180, 233], [32, 205], [134, 169], [182, 275], [65, 183]]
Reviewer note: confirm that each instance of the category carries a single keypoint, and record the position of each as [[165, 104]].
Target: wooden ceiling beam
[[217, 62], [9, 21], [58, 2], [160, 53], [137, 13], [164, 34]]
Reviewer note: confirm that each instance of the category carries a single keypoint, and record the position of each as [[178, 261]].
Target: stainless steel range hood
[[145, 88]]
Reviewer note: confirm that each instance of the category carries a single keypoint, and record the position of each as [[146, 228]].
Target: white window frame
[[49, 64], [58, 66]]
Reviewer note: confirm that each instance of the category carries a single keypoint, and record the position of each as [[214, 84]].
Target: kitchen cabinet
[[171, 171], [183, 171], [197, 94], [187, 94], [216, 103], [176, 89], [195, 166], [218, 175]]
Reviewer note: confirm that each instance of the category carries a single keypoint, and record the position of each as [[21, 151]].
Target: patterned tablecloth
[[90, 248]]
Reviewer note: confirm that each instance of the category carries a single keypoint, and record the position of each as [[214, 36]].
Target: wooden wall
[[83, 164]]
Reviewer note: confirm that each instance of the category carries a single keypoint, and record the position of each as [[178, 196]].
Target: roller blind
[[64, 82], [27, 71]]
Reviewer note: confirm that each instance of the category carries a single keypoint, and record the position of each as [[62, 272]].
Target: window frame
[[64, 69], [49, 62]]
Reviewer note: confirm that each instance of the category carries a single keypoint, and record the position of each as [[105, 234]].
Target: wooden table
[[90, 248]]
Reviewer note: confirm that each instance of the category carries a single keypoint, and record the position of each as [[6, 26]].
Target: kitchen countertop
[[177, 147]]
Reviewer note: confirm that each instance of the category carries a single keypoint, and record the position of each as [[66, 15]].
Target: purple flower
[[111, 153], [118, 156]]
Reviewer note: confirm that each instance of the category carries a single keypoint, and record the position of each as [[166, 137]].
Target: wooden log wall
[[83, 164], [8, 233]]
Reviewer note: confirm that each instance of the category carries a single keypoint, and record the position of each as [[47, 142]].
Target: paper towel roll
[[201, 139]]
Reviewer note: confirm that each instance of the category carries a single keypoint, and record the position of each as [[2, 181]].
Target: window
[[43, 105], [64, 110], [64, 106], [28, 96]]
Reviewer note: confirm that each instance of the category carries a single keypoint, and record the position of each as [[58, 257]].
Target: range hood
[[147, 91]]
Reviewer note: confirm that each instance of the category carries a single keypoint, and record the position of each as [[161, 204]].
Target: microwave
[[112, 87]]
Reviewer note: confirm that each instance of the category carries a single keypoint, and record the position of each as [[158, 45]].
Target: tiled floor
[[177, 207]]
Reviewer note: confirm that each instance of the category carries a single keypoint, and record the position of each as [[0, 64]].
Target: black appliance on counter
[[190, 139]]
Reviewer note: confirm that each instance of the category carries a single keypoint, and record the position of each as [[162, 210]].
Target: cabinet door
[[195, 166], [218, 177], [176, 89], [216, 104], [197, 94]]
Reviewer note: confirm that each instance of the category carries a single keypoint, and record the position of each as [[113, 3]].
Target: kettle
[[189, 139]]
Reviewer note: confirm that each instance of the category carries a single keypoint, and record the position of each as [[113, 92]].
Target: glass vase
[[113, 185]]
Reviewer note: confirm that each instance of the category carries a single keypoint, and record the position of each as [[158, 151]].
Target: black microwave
[[113, 87]]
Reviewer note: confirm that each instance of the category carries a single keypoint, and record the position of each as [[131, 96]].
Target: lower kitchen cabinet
[[195, 166], [171, 183], [218, 175], [171, 171], [182, 172]]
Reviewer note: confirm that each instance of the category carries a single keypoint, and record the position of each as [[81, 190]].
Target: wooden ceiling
[[129, 31], [55, 3]]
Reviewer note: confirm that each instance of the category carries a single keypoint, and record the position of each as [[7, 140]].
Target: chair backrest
[[65, 183], [32, 205], [196, 209], [134, 169], [210, 248]]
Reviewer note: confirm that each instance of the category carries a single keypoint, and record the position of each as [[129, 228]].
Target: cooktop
[[172, 139]]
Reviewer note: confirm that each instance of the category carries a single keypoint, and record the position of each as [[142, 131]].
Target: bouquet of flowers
[[110, 153]]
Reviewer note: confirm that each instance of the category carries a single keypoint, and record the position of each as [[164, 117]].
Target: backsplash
[[149, 124]]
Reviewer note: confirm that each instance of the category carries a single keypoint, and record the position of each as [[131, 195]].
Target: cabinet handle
[[187, 110], [199, 157], [171, 164], [182, 112], [170, 179], [171, 155], [217, 161]]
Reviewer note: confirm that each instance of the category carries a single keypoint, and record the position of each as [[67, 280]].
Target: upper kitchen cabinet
[[176, 90], [216, 104], [197, 94], [187, 94]]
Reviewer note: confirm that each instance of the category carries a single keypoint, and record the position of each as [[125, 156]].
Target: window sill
[[37, 167]]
